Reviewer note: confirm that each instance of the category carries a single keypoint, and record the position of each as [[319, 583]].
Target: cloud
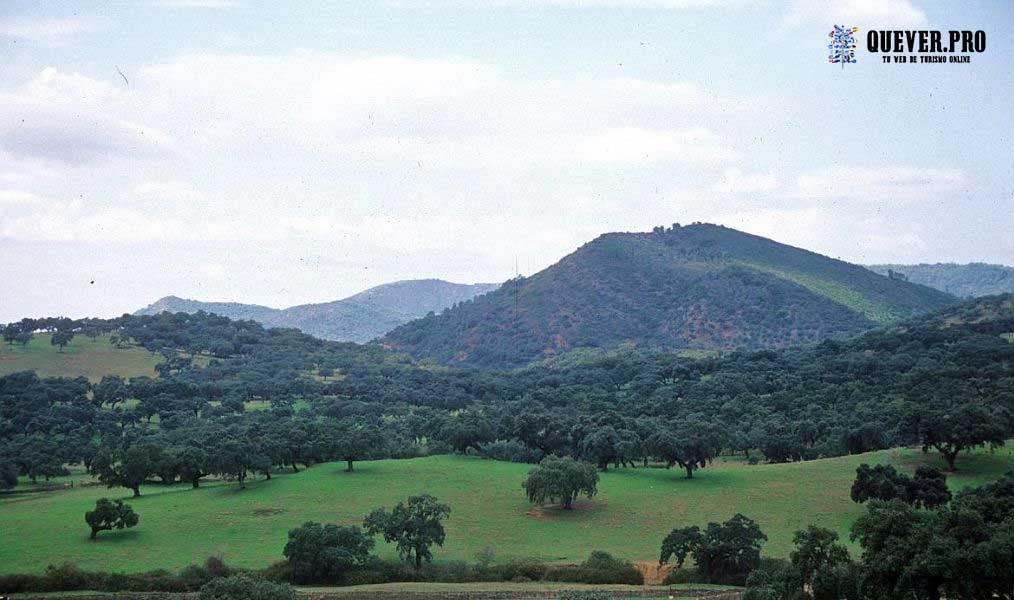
[[865, 14], [735, 181], [17, 197], [72, 119], [214, 4], [48, 32], [878, 184]]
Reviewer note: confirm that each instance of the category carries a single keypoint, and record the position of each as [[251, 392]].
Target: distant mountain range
[[700, 286], [359, 318], [965, 281]]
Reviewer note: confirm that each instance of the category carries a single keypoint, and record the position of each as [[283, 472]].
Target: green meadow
[[633, 511], [91, 358]]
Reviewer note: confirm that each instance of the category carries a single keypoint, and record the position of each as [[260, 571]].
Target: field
[[635, 508], [83, 356]]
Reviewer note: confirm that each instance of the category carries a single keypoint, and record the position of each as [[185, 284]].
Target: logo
[[843, 45]]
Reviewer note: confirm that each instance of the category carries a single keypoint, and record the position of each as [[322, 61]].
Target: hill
[[696, 287], [359, 318], [965, 281], [632, 512]]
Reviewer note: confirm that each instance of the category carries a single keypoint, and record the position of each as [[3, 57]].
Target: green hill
[[696, 287], [359, 318], [965, 281], [633, 511]]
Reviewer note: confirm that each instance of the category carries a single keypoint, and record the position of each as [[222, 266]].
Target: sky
[[285, 153]]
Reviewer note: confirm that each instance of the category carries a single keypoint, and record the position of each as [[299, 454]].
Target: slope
[[965, 281], [699, 287]]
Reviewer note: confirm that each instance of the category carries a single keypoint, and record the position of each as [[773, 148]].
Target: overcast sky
[[257, 152]]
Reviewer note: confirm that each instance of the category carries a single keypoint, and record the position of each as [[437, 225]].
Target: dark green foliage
[[951, 427], [723, 552], [246, 587], [110, 515], [560, 480], [701, 286], [882, 482], [964, 550], [8, 474], [322, 553], [817, 555], [414, 526], [599, 568]]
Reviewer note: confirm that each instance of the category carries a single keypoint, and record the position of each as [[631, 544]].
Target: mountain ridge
[[968, 280], [357, 318]]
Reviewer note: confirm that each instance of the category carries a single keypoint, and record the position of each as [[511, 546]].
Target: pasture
[[633, 511], [91, 358]]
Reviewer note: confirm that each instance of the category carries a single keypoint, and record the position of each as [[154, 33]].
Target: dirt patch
[[653, 573]]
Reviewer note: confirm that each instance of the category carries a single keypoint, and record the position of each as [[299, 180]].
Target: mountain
[[700, 286], [965, 281], [359, 318]]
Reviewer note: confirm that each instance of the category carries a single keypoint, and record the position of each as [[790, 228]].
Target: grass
[[635, 508], [83, 356], [836, 292]]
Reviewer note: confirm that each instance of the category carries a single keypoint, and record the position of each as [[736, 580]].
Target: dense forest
[[944, 381], [693, 287]]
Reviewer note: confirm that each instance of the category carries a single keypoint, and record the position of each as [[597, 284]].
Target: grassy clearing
[[83, 356], [635, 508], [874, 311]]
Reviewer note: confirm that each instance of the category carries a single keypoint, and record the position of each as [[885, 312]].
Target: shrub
[[246, 587], [600, 567], [591, 595]]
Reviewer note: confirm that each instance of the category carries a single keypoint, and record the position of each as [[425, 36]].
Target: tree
[[325, 552], [468, 429], [355, 442], [414, 526], [817, 551], [691, 446], [110, 390], [560, 480], [882, 482], [193, 463], [724, 552], [244, 586], [951, 429], [601, 446], [110, 515], [129, 468], [61, 338], [8, 474]]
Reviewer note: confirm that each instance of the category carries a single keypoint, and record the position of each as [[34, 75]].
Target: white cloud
[[19, 197], [878, 184], [865, 14], [217, 4], [54, 32], [735, 181]]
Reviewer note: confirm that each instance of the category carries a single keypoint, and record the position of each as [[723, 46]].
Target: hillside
[[965, 281], [696, 287], [83, 356], [359, 318], [632, 512]]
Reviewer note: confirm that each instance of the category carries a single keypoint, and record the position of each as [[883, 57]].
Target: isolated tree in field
[[61, 338], [110, 515], [882, 482], [414, 526], [561, 480], [953, 429], [325, 552], [724, 552], [691, 445]]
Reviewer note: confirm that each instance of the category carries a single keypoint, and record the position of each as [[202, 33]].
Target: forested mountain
[[965, 281], [700, 286], [358, 318]]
